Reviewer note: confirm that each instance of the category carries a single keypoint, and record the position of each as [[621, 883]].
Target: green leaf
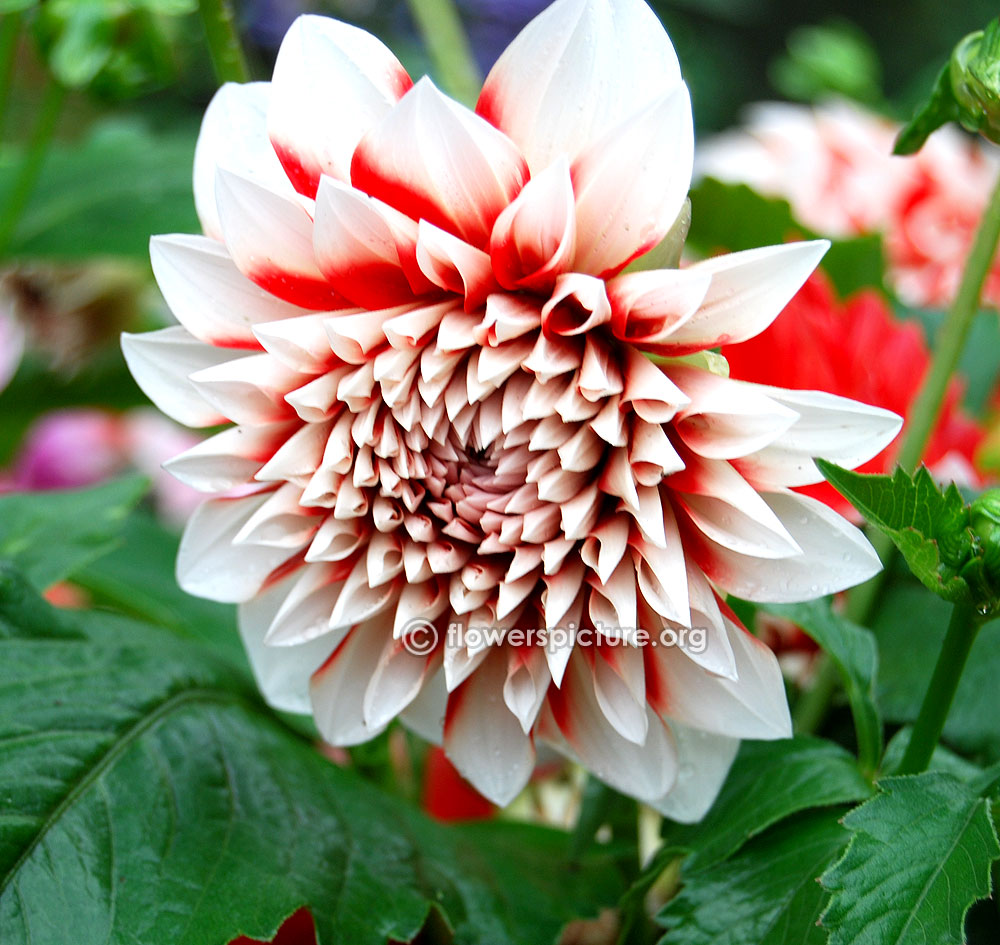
[[733, 217], [148, 796], [834, 58], [52, 534], [137, 579], [919, 856], [929, 527], [766, 895], [106, 194], [770, 781], [855, 654]]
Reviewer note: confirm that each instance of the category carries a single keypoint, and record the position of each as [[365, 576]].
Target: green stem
[[31, 164], [10, 33], [448, 47], [962, 630], [814, 703], [223, 39]]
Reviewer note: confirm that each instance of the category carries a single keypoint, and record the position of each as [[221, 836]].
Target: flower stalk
[[448, 47], [223, 40], [962, 630]]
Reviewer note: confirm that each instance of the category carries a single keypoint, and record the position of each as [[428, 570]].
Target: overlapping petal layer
[[465, 443]]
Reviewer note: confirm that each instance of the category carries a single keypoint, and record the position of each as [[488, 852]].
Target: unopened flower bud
[[975, 80], [985, 524]]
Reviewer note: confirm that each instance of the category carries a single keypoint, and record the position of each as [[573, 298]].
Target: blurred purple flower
[[492, 24]]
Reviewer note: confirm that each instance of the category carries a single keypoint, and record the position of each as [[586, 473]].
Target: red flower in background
[[447, 795], [297, 929], [858, 349]]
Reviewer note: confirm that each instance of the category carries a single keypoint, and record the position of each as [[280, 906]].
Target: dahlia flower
[[822, 343], [453, 409], [834, 165]]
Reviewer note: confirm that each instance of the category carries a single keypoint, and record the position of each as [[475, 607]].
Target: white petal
[[631, 184], [161, 363], [482, 737], [208, 295], [331, 83], [338, 687], [431, 158], [705, 760], [248, 390], [751, 706], [210, 565], [269, 237], [843, 431], [425, 714], [748, 291], [835, 555], [304, 614], [234, 136], [282, 673], [230, 458], [578, 68], [394, 684]]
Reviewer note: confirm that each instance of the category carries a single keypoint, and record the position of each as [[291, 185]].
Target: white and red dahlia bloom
[[834, 164], [450, 406]]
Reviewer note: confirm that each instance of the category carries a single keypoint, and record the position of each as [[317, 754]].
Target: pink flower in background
[[834, 165], [80, 446], [443, 397]]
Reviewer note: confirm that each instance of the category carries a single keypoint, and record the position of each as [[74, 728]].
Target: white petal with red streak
[[431, 158], [357, 249], [578, 68], [210, 565], [843, 431], [835, 555], [269, 237], [644, 771], [649, 305], [534, 239], [332, 82], [208, 295], [631, 184], [233, 135], [748, 291], [751, 706], [282, 673], [162, 362], [526, 684], [452, 264]]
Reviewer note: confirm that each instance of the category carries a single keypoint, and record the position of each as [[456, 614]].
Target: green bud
[[974, 71], [985, 524]]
